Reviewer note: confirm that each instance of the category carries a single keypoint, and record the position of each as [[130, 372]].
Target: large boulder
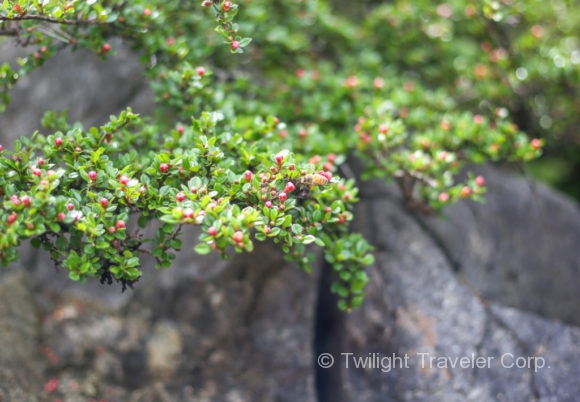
[[519, 248], [418, 306]]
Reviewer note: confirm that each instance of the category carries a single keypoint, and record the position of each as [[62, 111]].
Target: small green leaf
[[297, 229], [245, 42], [202, 248], [61, 243], [308, 239], [345, 275], [368, 259]]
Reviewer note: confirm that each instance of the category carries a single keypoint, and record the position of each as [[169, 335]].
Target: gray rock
[[418, 307], [89, 88], [519, 248], [20, 364], [246, 333]]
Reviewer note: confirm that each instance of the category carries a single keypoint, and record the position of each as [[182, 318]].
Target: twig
[[52, 20]]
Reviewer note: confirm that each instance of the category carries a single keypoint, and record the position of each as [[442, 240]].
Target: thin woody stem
[[52, 20]]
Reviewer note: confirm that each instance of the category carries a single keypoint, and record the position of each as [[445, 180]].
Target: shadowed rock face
[[487, 281], [89, 88]]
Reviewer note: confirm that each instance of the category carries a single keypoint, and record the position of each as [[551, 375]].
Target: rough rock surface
[[490, 280], [243, 335], [417, 306], [520, 248], [20, 366], [89, 88]]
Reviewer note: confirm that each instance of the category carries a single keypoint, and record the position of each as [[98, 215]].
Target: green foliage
[[252, 146]]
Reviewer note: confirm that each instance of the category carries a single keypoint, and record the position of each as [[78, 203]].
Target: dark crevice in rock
[[329, 337]]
